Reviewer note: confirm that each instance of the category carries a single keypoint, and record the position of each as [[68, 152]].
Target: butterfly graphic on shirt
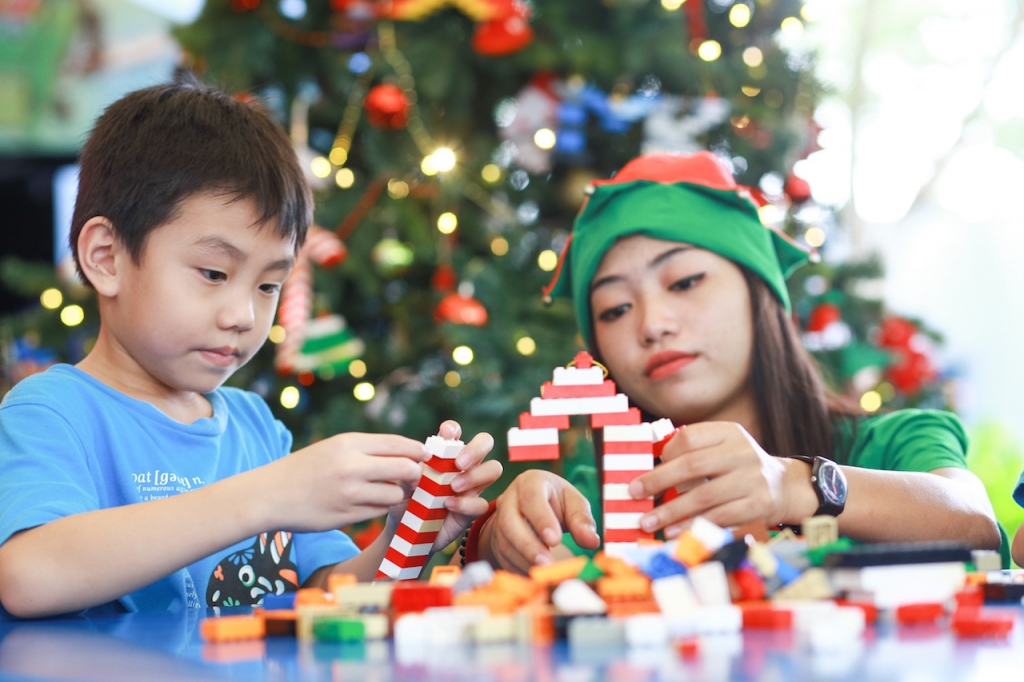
[[244, 577]]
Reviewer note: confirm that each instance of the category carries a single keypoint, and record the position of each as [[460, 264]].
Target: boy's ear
[[100, 255]]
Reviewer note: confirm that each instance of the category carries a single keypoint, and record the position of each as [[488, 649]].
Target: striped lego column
[[628, 453], [410, 547]]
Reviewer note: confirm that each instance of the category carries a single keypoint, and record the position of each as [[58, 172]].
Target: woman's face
[[673, 324]]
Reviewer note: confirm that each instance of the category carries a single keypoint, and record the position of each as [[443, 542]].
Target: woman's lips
[[666, 364]]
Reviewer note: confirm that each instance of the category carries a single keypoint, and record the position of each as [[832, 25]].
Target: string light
[[739, 15], [769, 214], [462, 355], [815, 237], [357, 368], [750, 90], [427, 165], [277, 334], [364, 391], [526, 346], [344, 178], [447, 222], [871, 401], [813, 10], [792, 27], [320, 166], [72, 315], [338, 156], [490, 173], [709, 50], [544, 138], [752, 56], [452, 379], [290, 397], [398, 189], [51, 299], [672, 5], [499, 246], [547, 260]]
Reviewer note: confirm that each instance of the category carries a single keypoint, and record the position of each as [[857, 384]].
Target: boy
[[131, 481]]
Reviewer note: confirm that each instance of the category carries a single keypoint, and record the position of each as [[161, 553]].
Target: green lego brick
[[335, 629]]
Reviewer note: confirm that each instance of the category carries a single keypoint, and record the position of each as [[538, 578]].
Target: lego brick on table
[[541, 407], [279, 602], [552, 574], [646, 630], [661, 565], [231, 628], [338, 629], [415, 596], [731, 555], [894, 585], [811, 584], [632, 416], [710, 583], [308, 596], [576, 376], [690, 551], [624, 609], [279, 623], [896, 553], [843, 630], [869, 609], [550, 391], [595, 632], [818, 531], [574, 597], [718, 619], [475, 574], [767, 617], [975, 624], [917, 614], [675, 597], [528, 421], [363, 595], [986, 560], [451, 624], [235, 652], [624, 588], [494, 600], [756, 529], [749, 584], [497, 628], [446, 574]]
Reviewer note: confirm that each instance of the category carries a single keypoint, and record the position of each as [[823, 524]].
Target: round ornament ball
[[895, 332], [912, 372], [444, 278], [797, 189], [461, 309], [500, 37], [387, 107]]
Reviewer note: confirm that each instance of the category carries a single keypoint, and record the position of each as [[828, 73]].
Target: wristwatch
[[829, 483]]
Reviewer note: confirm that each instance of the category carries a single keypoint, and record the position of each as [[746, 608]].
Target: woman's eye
[[213, 275], [686, 282], [270, 288], [613, 314]]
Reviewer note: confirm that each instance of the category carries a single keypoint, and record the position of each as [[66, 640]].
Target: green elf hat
[[690, 198]]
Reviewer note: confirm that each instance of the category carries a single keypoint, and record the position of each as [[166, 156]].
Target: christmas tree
[[449, 143]]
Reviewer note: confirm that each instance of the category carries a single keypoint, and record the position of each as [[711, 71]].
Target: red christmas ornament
[[387, 107], [912, 372], [822, 316], [444, 278], [797, 189], [895, 332], [506, 34], [461, 310]]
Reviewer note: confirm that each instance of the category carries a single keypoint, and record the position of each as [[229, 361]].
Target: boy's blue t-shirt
[[71, 444], [1018, 492]]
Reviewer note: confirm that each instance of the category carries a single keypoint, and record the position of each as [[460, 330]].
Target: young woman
[[680, 292]]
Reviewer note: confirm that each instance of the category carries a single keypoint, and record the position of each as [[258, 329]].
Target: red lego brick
[[630, 418], [621, 476], [767, 618], [421, 512], [624, 535], [976, 624], [749, 584], [689, 648], [558, 421], [583, 360], [658, 447], [442, 465], [530, 453], [633, 448], [913, 614], [549, 391], [970, 598], [402, 561], [626, 506], [413, 596], [414, 537], [435, 488]]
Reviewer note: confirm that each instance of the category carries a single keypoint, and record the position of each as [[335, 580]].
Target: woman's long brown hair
[[796, 410]]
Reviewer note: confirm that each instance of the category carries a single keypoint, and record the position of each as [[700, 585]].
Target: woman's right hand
[[529, 519]]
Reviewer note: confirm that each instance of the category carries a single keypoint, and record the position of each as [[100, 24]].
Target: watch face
[[832, 483]]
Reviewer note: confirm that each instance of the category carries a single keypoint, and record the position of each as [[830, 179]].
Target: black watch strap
[[829, 484]]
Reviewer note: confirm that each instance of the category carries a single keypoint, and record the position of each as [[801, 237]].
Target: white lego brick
[[475, 574], [712, 536], [375, 625], [628, 462], [419, 525], [574, 376], [845, 628], [406, 548], [808, 615], [395, 573], [429, 501], [619, 550], [634, 433], [445, 449], [893, 586], [661, 429], [359, 595], [646, 630], [499, 628], [719, 619], [675, 597], [439, 477], [452, 624], [986, 560], [622, 520], [540, 407], [615, 491], [710, 583], [545, 436], [574, 597], [412, 629]]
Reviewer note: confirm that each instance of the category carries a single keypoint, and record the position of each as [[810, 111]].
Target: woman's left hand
[[733, 480]]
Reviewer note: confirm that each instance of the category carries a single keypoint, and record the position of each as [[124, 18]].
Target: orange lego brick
[[234, 652], [519, 587], [445, 575], [337, 580], [312, 596], [552, 574], [631, 608], [496, 601], [977, 579], [613, 566], [690, 551], [624, 588], [232, 628]]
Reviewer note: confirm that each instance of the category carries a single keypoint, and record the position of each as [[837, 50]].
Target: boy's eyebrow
[[226, 248], [655, 262]]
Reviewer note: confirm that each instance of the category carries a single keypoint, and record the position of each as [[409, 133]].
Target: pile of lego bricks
[[709, 581]]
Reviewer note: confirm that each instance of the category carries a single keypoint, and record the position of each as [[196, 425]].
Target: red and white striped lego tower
[[411, 545]]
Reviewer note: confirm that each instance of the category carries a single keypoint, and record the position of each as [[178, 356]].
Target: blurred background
[[449, 142]]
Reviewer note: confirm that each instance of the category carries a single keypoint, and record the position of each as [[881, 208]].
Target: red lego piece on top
[[549, 391], [971, 597], [767, 617], [584, 360], [413, 596], [974, 624], [913, 614]]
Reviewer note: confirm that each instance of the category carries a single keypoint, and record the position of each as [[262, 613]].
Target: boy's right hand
[[344, 479], [529, 519]]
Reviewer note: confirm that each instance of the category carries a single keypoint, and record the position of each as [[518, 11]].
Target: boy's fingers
[[579, 520], [537, 510], [479, 477], [381, 495], [520, 537], [475, 451], [450, 429], [395, 469], [389, 445]]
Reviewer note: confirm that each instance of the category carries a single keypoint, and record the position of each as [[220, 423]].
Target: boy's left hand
[[466, 505]]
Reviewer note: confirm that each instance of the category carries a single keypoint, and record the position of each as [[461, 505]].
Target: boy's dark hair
[[156, 147]]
